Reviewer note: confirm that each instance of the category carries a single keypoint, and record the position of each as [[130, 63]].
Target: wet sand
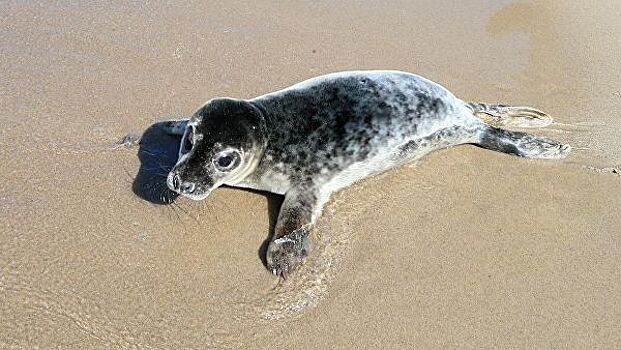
[[465, 249]]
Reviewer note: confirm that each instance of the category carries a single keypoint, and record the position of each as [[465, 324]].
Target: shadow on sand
[[158, 152]]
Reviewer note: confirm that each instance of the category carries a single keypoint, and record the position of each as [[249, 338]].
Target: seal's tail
[[520, 143], [502, 115]]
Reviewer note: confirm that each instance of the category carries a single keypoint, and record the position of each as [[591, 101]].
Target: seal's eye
[[227, 160]]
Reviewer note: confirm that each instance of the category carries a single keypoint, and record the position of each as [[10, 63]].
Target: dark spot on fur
[[332, 124]]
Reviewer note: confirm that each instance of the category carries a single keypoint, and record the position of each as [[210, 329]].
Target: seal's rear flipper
[[521, 144], [516, 116]]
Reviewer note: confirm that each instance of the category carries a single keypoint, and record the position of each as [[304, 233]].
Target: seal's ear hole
[[227, 160]]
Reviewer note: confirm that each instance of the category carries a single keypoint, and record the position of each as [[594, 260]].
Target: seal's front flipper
[[521, 144], [286, 253], [290, 243], [175, 127]]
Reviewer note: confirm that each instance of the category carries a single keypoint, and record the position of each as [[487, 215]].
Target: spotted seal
[[311, 139]]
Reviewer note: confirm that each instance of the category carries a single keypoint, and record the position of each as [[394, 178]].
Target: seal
[[316, 137]]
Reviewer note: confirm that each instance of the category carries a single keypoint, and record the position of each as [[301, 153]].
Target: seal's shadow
[[157, 153], [274, 202]]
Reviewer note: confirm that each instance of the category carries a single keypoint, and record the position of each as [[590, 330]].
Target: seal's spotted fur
[[316, 137]]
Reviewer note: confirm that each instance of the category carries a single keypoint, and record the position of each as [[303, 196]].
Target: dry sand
[[466, 249]]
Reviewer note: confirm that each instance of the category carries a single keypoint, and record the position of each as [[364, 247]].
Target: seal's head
[[222, 144]]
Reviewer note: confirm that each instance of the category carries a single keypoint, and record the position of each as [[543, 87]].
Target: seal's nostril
[[175, 181]]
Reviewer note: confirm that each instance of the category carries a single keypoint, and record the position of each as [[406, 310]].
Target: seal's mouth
[[197, 196]]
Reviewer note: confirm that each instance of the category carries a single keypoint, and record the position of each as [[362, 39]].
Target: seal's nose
[[175, 184], [173, 181]]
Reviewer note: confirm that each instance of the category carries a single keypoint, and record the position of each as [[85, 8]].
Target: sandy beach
[[466, 248]]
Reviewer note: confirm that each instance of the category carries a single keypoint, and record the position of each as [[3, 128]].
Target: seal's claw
[[285, 254]]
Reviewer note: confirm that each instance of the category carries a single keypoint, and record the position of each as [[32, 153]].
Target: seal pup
[[311, 139]]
